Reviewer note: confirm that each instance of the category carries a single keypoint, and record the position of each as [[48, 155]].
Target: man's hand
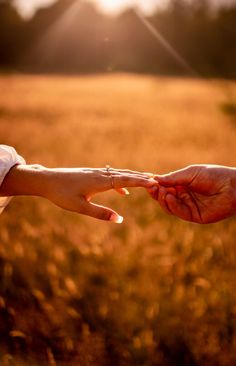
[[199, 193]]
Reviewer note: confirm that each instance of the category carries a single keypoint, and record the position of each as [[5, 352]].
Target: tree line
[[74, 37]]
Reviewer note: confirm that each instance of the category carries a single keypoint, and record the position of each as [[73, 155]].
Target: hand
[[199, 193], [72, 189]]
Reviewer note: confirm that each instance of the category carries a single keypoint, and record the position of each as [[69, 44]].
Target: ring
[[108, 168]]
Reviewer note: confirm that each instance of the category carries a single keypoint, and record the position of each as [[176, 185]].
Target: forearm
[[25, 180]]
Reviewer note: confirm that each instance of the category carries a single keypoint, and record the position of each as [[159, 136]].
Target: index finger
[[132, 172], [123, 181]]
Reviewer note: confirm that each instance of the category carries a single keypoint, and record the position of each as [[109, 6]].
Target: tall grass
[[154, 291]]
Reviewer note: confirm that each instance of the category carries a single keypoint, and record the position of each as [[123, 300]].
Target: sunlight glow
[[115, 6], [27, 8]]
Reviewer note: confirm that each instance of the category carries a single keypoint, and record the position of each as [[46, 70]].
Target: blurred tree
[[224, 46], [11, 27], [72, 36], [74, 39]]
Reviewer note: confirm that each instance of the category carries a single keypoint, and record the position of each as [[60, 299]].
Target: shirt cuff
[[8, 158]]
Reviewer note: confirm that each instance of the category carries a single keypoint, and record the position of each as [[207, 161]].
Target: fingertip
[[117, 219]]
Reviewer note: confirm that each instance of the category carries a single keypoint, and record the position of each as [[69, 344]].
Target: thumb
[[101, 212], [180, 177]]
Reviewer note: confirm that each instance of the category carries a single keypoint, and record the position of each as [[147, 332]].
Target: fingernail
[[116, 219]]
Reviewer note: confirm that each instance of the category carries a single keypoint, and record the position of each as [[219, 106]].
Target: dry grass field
[[155, 291]]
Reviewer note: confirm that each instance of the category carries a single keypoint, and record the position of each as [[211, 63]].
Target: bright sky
[[28, 7]]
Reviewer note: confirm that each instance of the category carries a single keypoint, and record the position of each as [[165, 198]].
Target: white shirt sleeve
[[8, 158]]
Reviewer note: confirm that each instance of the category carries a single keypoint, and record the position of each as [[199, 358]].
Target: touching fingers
[[181, 177], [122, 181], [101, 183]]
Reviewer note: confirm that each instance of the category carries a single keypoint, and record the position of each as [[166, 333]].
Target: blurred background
[[71, 36], [144, 85]]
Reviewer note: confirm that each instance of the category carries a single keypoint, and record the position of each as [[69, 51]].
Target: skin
[[73, 189], [199, 193]]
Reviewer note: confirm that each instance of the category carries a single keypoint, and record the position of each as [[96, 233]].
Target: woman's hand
[[72, 189], [199, 193]]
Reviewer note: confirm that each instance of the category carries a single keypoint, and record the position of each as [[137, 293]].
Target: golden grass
[[154, 291]]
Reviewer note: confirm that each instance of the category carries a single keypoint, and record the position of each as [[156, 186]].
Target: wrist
[[233, 184], [25, 180]]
